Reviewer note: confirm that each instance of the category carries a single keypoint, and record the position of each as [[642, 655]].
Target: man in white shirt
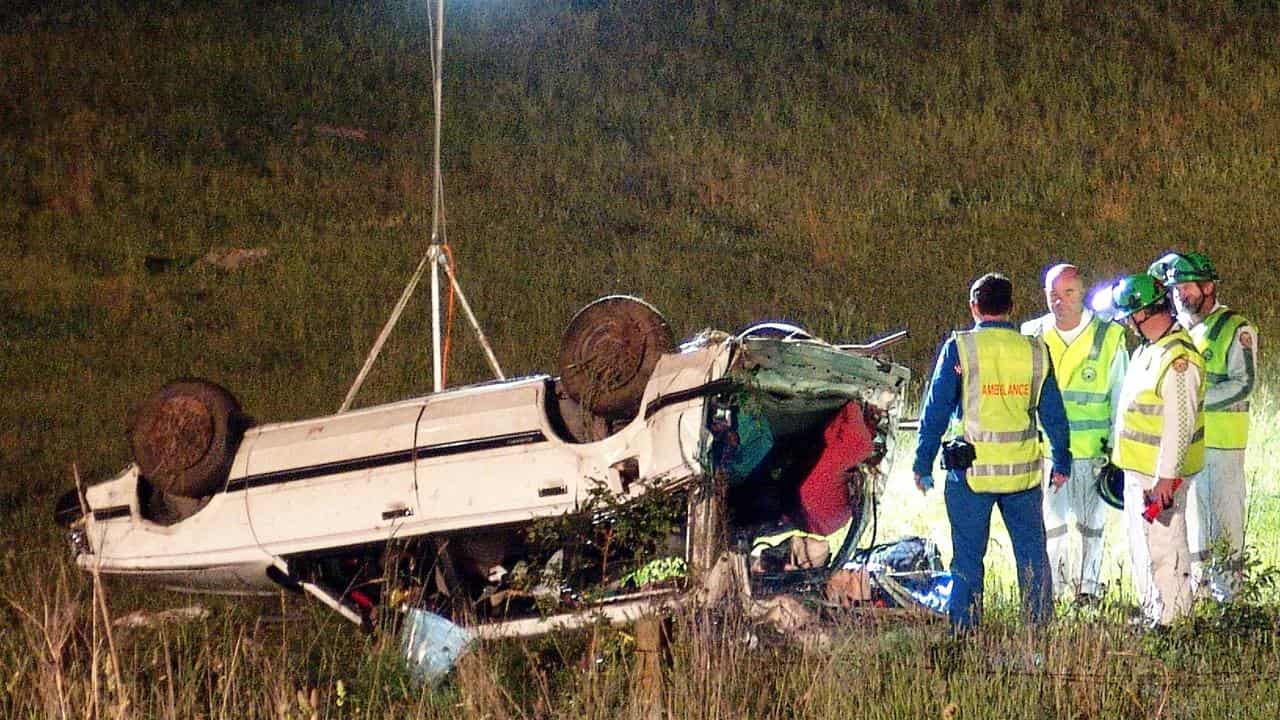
[[1159, 442], [1089, 359]]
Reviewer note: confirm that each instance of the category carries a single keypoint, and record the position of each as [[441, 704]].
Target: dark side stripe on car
[[397, 457], [110, 513]]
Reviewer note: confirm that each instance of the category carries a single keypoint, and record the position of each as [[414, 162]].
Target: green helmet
[[1174, 268], [1132, 293], [1193, 267]]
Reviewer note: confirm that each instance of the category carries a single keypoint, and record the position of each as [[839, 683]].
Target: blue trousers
[[970, 515]]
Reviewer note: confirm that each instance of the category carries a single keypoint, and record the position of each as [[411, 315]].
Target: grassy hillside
[[852, 166], [849, 165]]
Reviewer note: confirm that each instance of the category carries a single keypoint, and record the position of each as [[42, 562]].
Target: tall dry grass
[[716, 664]]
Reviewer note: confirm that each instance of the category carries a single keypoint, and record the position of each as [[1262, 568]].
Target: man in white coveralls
[[1089, 360], [1159, 443]]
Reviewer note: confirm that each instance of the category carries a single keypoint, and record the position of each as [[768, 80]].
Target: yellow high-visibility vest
[[1138, 446], [1083, 370], [1226, 428], [1002, 374]]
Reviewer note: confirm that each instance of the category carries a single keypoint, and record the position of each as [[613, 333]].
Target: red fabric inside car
[[824, 493]]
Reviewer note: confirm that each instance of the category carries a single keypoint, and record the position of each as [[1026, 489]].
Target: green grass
[[852, 166]]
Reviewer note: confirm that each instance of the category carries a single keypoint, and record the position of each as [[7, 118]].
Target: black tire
[[185, 436], [609, 351]]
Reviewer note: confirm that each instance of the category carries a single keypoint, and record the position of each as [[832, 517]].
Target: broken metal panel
[[809, 370], [801, 386], [615, 613], [706, 534]]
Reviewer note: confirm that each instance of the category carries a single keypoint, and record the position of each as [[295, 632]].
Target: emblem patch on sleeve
[[1180, 365], [1246, 340]]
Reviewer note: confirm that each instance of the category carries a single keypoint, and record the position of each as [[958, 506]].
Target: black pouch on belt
[[958, 454]]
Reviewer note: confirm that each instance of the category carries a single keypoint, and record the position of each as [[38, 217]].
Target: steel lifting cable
[[448, 316], [475, 324], [386, 329], [438, 250], [437, 191], [455, 292], [432, 254], [439, 221]]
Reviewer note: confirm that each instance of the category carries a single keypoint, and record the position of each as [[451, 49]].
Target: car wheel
[[184, 437], [609, 351]]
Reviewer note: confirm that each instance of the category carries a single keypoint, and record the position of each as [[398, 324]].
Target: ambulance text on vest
[[1003, 389]]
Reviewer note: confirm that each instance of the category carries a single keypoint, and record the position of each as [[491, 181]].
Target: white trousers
[[1076, 507], [1215, 517], [1158, 550]]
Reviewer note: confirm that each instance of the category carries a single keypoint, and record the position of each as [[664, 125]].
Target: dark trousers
[[970, 515]]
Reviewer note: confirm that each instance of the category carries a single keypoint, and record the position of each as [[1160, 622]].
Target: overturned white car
[[443, 494]]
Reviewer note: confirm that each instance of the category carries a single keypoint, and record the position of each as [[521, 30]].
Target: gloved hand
[[924, 482]]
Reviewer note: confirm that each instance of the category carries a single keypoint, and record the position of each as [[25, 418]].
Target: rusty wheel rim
[[175, 436], [610, 347]]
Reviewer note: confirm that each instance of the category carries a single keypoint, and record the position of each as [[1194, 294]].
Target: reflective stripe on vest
[[1138, 445], [1083, 370], [1002, 373], [1228, 427], [835, 541]]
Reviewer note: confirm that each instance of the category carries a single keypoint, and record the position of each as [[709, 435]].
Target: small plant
[[1250, 609], [608, 535], [1257, 582]]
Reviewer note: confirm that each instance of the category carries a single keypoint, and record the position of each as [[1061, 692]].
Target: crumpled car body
[[305, 501]]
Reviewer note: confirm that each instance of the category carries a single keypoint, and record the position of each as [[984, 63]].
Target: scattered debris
[[156, 264], [848, 588], [226, 259], [235, 258], [906, 573], [784, 612], [338, 131], [145, 619], [726, 580], [346, 133], [432, 644]]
